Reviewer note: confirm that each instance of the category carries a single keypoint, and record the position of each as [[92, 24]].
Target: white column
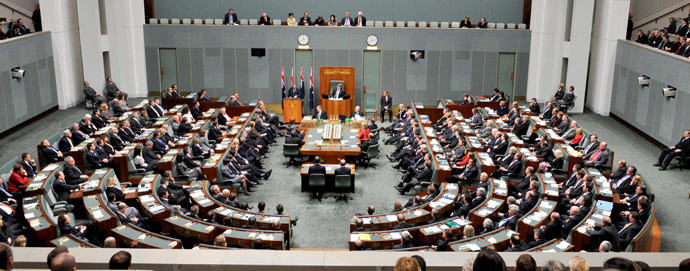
[[579, 45], [125, 20], [60, 18], [610, 24], [546, 48], [92, 47]]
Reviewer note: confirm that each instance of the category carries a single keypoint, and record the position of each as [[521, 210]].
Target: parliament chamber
[[195, 130]]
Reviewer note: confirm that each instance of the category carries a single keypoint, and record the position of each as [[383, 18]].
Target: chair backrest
[[422, 24], [370, 23], [343, 181], [400, 24], [317, 178], [522, 26], [500, 26], [244, 21], [411, 24], [198, 21], [277, 22], [153, 21], [209, 21], [511, 26], [253, 21], [175, 21], [444, 24], [186, 21], [164, 21], [433, 24], [455, 25], [388, 24], [373, 151], [490, 25], [290, 149], [378, 24], [217, 21]]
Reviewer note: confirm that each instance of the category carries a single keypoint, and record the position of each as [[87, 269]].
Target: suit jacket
[[364, 21], [547, 114], [98, 121], [230, 19], [152, 112], [403, 225], [388, 103], [626, 235], [322, 115], [342, 21], [342, 170], [424, 175], [73, 175], [266, 21], [515, 167], [603, 157], [352, 115], [90, 92], [317, 169], [62, 189], [50, 154], [574, 220], [508, 222], [467, 24], [196, 112], [526, 206], [64, 144], [302, 19], [535, 108], [608, 233], [293, 92], [470, 172], [112, 88], [682, 30], [536, 243], [340, 94], [117, 142], [553, 230], [683, 144], [557, 163]]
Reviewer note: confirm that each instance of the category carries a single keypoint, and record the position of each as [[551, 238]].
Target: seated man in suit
[[66, 143], [73, 175], [514, 167], [357, 114], [117, 141], [422, 176], [387, 106], [343, 169], [153, 111], [80, 230], [317, 168], [305, 20], [320, 114], [667, 155], [92, 94], [511, 221], [169, 93], [467, 175], [598, 157], [62, 188], [360, 20], [113, 90], [119, 108], [574, 218], [627, 234], [623, 184], [265, 20], [230, 18], [49, 153], [568, 98], [553, 229], [28, 164], [604, 232], [196, 111], [516, 244], [337, 93]]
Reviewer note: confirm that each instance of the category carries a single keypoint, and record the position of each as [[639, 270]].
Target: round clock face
[[303, 39], [372, 40]]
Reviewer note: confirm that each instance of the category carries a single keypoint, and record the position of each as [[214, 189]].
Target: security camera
[[643, 80], [416, 55], [17, 73], [669, 92]]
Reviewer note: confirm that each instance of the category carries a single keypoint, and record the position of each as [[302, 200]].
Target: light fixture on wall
[[643, 80], [669, 92], [416, 55], [17, 73]]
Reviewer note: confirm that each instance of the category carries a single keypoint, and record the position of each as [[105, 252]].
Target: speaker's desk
[[330, 151]]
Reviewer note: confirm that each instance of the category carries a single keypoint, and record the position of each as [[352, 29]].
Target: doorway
[[506, 73], [168, 66], [371, 79], [304, 59]]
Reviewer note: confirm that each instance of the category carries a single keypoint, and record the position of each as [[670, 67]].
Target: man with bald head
[[64, 262]]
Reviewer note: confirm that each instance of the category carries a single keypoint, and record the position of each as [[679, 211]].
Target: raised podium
[[347, 76], [292, 108]]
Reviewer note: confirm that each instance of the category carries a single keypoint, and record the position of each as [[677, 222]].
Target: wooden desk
[[128, 234], [35, 212], [500, 239], [166, 162], [35, 186], [331, 154], [484, 102], [96, 205], [151, 205], [555, 245], [121, 161], [71, 241], [171, 102], [177, 109], [337, 107], [485, 162], [573, 157], [538, 216], [330, 176], [421, 235], [214, 103], [237, 110]]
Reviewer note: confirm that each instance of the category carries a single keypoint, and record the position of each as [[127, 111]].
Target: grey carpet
[[325, 224]]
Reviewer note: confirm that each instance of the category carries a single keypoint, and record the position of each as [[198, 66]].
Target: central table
[[330, 176], [331, 153]]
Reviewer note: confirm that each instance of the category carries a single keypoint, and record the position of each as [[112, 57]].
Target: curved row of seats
[[456, 25]]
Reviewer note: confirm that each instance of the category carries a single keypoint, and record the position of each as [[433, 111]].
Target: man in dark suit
[[467, 175], [293, 92], [598, 157], [320, 114], [360, 20], [230, 18], [317, 168], [423, 175], [66, 143], [548, 111], [511, 221], [96, 159], [538, 238], [554, 228], [592, 145], [534, 106], [357, 113], [343, 169], [568, 98], [630, 230], [516, 244], [265, 20], [406, 241], [669, 153], [28, 164], [402, 224], [514, 167], [621, 185], [113, 90], [73, 175], [305, 20], [62, 188], [338, 92], [605, 232], [683, 29], [117, 141], [196, 111], [152, 110], [573, 219], [92, 94], [36, 18], [347, 21], [387, 106], [48, 153], [641, 37]]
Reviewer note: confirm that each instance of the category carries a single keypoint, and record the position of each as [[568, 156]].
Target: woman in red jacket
[[460, 165], [17, 179], [576, 140]]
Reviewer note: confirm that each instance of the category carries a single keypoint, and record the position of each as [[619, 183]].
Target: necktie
[[360, 22], [595, 156], [53, 149], [588, 146], [626, 226], [70, 142], [679, 48], [5, 192], [78, 170], [512, 163], [31, 169], [619, 182]]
